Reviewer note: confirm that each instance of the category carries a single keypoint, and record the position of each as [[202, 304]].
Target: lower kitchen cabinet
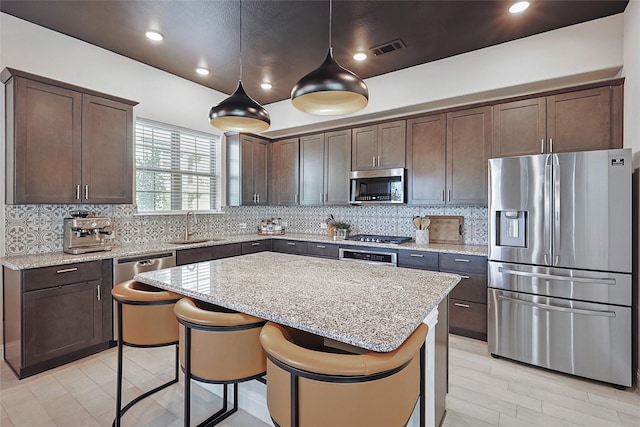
[[256, 246], [54, 315], [295, 247], [468, 300], [208, 253], [418, 259], [324, 250]]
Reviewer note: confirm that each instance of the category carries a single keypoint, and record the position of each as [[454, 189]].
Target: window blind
[[176, 169]]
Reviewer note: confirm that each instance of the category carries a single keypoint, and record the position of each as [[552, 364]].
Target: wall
[[631, 71], [33, 229]]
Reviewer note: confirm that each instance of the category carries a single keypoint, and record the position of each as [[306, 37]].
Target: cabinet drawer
[[468, 319], [47, 277], [326, 250], [463, 263], [256, 246], [418, 259], [226, 251], [193, 255], [472, 287], [289, 246]]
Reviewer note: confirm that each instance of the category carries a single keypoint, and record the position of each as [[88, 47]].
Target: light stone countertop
[[369, 306], [22, 262]]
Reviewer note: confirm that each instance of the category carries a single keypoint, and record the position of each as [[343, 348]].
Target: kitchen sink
[[187, 241]]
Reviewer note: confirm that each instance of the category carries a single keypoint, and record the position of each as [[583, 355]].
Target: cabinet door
[[579, 120], [284, 171], [107, 151], [520, 128], [260, 175], [337, 165], [426, 159], [468, 150], [289, 246], [312, 169], [61, 320], [256, 246], [364, 148], [193, 255], [391, 145], [253, 165], [47, 145]]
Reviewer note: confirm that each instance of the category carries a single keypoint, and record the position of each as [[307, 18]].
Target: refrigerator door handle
[[556, 209], [548, 174], [600, 281], [558, 308]]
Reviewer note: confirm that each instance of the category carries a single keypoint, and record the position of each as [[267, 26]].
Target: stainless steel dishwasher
[[127, 267]]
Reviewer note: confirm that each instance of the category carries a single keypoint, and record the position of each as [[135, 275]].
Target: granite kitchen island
[[368, 306]]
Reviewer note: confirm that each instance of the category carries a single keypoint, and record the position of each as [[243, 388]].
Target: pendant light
[[240, 112], [330, 89]]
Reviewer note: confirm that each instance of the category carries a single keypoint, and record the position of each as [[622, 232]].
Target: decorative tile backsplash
[[32, 229]]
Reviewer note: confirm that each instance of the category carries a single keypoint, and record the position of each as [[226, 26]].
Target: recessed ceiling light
[[360, 56], [202, 71], [154, 35], [518, 7], [266, 86]]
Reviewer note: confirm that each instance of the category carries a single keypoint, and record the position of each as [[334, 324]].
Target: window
[[176, 169]]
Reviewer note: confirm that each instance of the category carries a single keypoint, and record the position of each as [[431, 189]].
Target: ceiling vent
[[388, 47]]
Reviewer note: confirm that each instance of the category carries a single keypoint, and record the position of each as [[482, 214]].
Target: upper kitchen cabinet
[[324, 168], [66, 144], [447, 158], [589, 119], [379, 146], [247, 180], [285, 165]]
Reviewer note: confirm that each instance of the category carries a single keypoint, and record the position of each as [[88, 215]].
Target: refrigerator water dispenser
[[511, 230]]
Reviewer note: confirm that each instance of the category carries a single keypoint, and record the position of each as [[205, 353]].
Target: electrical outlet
[[323, 225], [242, 225]]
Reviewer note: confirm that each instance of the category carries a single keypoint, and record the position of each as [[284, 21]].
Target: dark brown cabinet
[[285, 166], [325, 163], [468, 300], [418, 259], [207, 253], [589, 119], [54, 315], [247, 170], [323, 250], [447, 158], [66, 144], [256, 246], [295, 247], [379, 146]]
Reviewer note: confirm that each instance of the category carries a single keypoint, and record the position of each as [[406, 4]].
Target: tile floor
[[483, 392]]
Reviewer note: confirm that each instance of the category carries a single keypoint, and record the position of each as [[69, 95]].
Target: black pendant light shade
[[330, 90], [240, 113]]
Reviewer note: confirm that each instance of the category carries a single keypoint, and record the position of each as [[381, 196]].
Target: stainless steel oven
[[370, 256]]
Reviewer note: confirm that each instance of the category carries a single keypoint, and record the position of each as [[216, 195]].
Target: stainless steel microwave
[[382, 186]]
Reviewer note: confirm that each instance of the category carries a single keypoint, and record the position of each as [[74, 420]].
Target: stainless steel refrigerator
[[560, 286]]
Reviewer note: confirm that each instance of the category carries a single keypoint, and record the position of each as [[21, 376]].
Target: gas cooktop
[[375, 238]]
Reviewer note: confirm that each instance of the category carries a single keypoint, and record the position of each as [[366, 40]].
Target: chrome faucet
[[187, 225]]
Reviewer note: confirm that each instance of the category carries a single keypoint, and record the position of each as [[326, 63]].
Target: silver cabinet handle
[[464, 277], [67, 270], [551, 145], [417, 255], [461, 260], [373, 161], [320, 246], [449, 195], [378, 161], [542, 146], [98, 292], [258, 197], [255, 244], [295, 198], [86, 192], [442, 196], [326, 197], [291, 243], [457, 304], [558, 308], [78, 192]]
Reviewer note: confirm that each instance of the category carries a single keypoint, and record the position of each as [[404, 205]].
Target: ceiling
[[284, 40]]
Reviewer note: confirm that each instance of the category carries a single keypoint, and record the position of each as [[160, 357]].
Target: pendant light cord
[[240, 40], [330, 16]]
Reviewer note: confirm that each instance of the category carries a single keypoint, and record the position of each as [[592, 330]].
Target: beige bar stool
[[218, 346], [145, 319], [310, 385]]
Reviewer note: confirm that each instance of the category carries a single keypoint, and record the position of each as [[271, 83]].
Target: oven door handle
[[596, 280], [558, 308]]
